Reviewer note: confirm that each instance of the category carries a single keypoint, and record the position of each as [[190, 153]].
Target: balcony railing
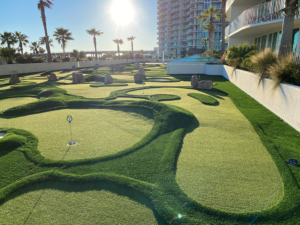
[[265, 12]]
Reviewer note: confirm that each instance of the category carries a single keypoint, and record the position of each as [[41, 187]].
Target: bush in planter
[[238, 56], [262, 61], [287, 69]]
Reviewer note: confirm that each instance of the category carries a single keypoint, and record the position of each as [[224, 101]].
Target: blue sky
[[78, 16]]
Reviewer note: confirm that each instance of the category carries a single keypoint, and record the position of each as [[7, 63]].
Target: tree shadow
[[76, 187]]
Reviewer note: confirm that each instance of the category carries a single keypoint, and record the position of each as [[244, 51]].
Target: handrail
[[264, 12]]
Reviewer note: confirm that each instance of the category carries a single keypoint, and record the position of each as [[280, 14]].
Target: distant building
[[178, 28]]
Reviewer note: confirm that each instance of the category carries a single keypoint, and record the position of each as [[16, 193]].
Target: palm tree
[[8, 38], [75, 54], [41, 6], [62, 36], [207, 20], [35, 47], [223, 20], [78, 55], [118, 42], [23, 40], [43, 41], [204, 42], [131, 39], [95, 33], [289, 12]]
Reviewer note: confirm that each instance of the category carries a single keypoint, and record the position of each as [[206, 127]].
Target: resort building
[[178, 28], [259, 22]]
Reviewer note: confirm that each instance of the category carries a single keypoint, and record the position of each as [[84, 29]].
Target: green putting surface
[[223, 163], [97, 131], [61, 203]]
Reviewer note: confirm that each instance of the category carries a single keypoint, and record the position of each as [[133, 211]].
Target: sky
[[79, 16]]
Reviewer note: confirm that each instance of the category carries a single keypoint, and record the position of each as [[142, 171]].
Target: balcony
[[266, 12]]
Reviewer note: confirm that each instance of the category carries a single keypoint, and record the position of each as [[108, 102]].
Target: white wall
[[40, 67], [284, 101], [211, 69], [186, 68]]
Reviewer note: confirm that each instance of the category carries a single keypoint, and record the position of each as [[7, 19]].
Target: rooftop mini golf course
[[159, 153]]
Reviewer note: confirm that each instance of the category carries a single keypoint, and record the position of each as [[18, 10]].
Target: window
[[274, 40], [217, 42], [263, 42], [295, 39], [201, 6], [270, 41], [279, 39], [217, 6], [258, 43]]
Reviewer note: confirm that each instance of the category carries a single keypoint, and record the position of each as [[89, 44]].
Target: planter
[[284, 101]]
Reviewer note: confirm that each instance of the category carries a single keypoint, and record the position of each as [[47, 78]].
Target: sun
[[122, 12]]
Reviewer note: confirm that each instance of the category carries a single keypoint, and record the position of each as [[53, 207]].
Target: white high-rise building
[[259, 22], [178, 28]]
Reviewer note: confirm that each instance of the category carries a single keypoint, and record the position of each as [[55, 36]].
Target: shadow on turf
[[84, 187], [195, 125]]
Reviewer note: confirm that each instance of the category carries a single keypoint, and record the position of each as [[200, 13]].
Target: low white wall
[[39, 67], [284, 101], [212, 69], [186, 68]]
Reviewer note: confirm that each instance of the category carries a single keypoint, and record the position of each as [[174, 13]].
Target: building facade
[[259, 22], [178, 28]]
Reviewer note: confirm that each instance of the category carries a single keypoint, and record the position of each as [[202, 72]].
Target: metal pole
[[71, 133]]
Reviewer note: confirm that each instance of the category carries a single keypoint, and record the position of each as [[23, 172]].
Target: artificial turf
[[152, 166], [215, 165], [207, 100]]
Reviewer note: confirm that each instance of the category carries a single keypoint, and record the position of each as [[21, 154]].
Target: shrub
[[38, 60], [66, 59], [90, 58], [8, 54], [262, 62], [216, 54], [238, 56], [21, 59], [286, 70], [55, 60]]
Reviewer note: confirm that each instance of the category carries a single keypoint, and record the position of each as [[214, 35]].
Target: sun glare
[[122, 12]]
